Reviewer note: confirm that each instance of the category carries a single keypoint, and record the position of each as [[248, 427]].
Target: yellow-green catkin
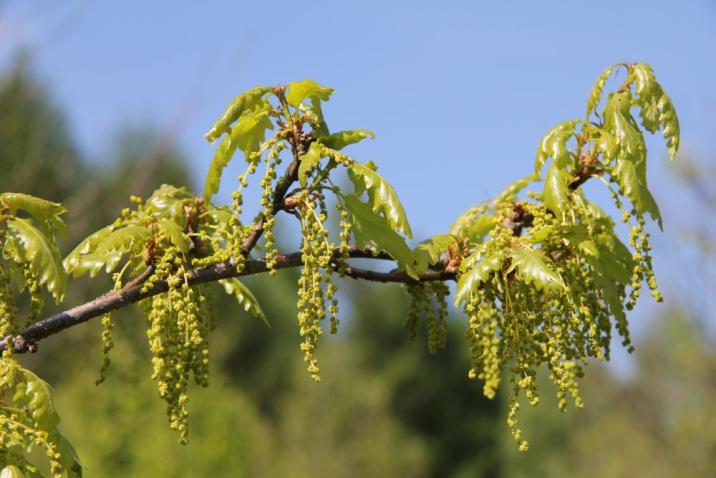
[[273, 159], [316, 255], [428, 300], [178, 326], [8, 307]]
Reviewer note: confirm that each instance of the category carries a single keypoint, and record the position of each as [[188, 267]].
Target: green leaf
[[314, 111], [241, 103], [11, 471], [167, 202], [533, 268], [70, 461], [554, 145], [372, 229], [436, 246], [175, 234], [619, 121], [300, 90], [74, 259], [478, 272], [247, 136], [29, 245], [244, 297], [636, 190], [596, 94], [656, 109], [106, 250], [670, 124], [383, 198], [511, 191], [33, 393], [308, 161], [40, 209], [342, 139], [556, 191]]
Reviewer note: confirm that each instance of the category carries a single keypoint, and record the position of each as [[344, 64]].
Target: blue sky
[[458, 93]]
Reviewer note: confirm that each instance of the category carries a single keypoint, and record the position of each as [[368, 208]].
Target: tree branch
[[133, 292]]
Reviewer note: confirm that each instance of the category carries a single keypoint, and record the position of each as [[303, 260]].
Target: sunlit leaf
[[300, 90], [308, 161], [241, 103], [436, 246], [41, 210], [33, 247], [511, 191], [554, 145], [247, 136], [556, 191], [478, 273], [342, 139], [533, 268], [175, 234], [596, 94], [384, 198], [371, 229]]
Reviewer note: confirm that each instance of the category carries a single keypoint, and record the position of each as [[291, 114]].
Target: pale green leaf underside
[[244, 297]]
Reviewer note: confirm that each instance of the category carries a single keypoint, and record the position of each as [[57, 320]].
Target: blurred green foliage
[[385, 407]]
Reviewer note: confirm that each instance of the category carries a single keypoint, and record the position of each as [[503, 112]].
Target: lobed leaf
[[556, 191], [478, 272], [511, 191], [635, 189], [87, 245], [105, 249], [247, 136], [33, 393], [372, 229], [238, 105], [596, 94], [308, 161], [29, 245], [244, 297], [533, 268], [554, 145], [436, 246], [656, 109], [300, 90], [175, 234], [342, 139], [41, 210], [383, 198]]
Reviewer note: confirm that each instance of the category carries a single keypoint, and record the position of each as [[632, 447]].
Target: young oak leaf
[[384, 198], [27, 244], [533, 268], [479, 271], [244, 297], [236, 108]]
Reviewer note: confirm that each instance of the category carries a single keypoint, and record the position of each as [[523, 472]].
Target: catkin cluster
[[513, 323], [178, 326], [317, 257], [429, 300]]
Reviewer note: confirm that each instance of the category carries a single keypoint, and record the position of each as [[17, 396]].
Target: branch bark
[[133, 292]]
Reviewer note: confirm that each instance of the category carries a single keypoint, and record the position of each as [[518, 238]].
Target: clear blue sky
[[458, 93]]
